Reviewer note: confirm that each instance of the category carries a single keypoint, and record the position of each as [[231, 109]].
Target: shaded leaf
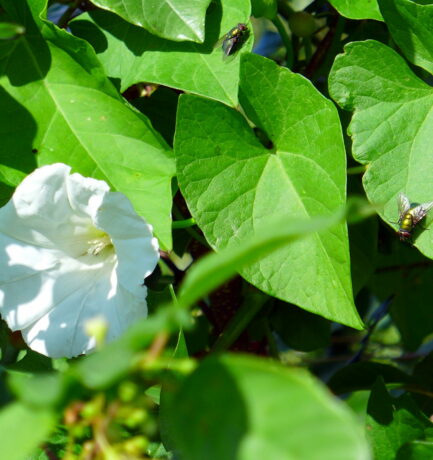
[[392, 422], [407, 275], [299, 329], [362, 375], [363, 252], [416, 450], [410, 24]]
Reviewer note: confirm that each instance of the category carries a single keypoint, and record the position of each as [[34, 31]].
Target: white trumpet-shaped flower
[[70, 251]]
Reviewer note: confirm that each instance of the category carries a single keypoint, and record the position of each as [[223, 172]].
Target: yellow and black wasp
[[410, 215], [233, 39]]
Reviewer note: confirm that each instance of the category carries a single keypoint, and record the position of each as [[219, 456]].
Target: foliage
[[286, 318]]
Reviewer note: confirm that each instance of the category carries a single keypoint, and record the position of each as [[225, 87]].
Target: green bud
[[136, 445], [92, 408], [302, 24], [127, 391]]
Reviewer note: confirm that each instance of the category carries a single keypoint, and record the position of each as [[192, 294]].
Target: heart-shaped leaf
[[233, 183], [391, 127]]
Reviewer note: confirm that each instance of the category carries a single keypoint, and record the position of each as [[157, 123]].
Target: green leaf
[[391, 127], [39, 390], [363, 252], [359, 9], [171, 19], [300, 329], [216, 268], [392, 422], [406, 274], [410, 24], [232, 183], [55, 81], [32, 362], [254, 409], [362, 375], [265, 8], [416, 450], [115, 360], [133, 55], [160, 108], [22, 429], [299, 5]]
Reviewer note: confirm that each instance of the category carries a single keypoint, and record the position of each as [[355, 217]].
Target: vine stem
[[334, 33], [67, 15], [185, 223], [157, 346], [356, 170], [278, 23], [237, 325]]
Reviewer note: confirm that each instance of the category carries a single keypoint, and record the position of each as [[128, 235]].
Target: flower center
[[99, 244]]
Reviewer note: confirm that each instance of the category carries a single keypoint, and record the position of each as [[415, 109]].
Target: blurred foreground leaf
[[252, 408], [22, 429]]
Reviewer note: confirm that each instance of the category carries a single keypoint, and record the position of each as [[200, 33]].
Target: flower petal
[[61, 332], [136, 248], [39, 279], [71, 251], [38, 206], [86, 194]]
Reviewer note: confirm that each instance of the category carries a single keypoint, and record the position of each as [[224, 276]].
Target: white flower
[[70, 251]]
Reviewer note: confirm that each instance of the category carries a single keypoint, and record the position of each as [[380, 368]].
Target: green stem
[[285, 9], [356, 170], [308, 48], [285, 38], [172, 293], [185, 223], [273, 349], [191, 231], [238, 324], [67, 15]]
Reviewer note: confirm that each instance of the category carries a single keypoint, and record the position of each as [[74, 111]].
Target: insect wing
[[228, 45], [419, 212], [403, 206], [220, 41]]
